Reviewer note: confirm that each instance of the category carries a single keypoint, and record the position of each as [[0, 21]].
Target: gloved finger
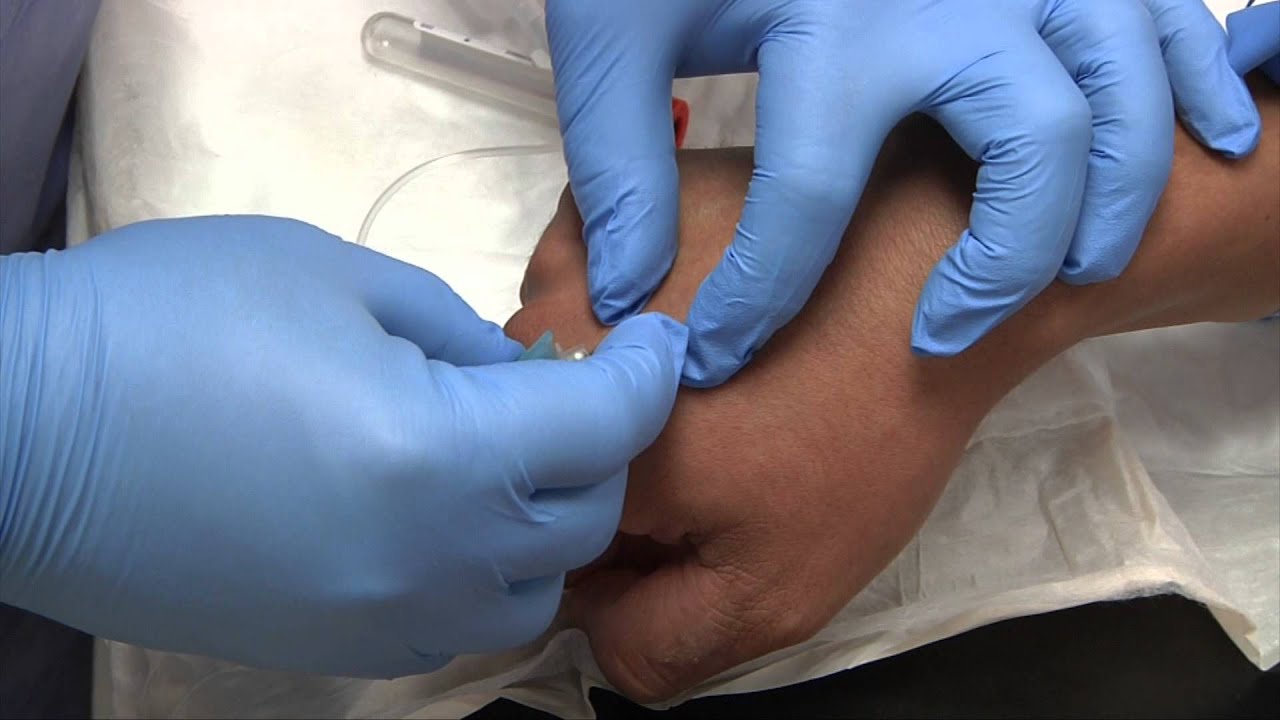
[[1021, 115], [811, 164], [569, 528], [390, 658], [395, 659], [613, 95], [501, 614], [559, 424], [1211, 99], [509, 615], [1112, 52], [413, 304], [1253, 36]]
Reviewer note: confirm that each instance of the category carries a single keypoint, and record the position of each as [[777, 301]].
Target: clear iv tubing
[[476, 154]]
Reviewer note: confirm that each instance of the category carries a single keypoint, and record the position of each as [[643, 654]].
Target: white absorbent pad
[[1133, 465]]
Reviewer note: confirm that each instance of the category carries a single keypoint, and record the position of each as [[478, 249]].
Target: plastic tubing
[[445, 160]]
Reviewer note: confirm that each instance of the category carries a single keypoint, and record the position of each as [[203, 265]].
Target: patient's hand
[[778, 496]]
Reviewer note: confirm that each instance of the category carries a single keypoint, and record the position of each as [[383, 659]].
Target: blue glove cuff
[[19, 334], [43, 412]]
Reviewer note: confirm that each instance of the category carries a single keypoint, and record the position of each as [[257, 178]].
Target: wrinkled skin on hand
[[813, 467], [767, 503]]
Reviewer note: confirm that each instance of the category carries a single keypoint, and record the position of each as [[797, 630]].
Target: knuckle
[[772, 277], [289, 232], [646, 680], [536, 614], [613, 379], [770, 606], [1060, 120], [764, 611], [1031, 271], [600, 537], [794, 625], [590, 539], [396, 447], [392, 456], [1196, 30], [1098, 19], [1150, 168], [1093, 271], [1017, 271], [1105, 272], [374, 580], [732, 627], [815, 186]]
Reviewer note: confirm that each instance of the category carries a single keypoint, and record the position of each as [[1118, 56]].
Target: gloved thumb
[[416, 305], [615, 116], [1211, 99], [1253, 39]]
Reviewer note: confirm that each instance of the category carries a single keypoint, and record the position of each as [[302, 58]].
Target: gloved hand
[[1065, 102], [1253, 39], [242, 437]]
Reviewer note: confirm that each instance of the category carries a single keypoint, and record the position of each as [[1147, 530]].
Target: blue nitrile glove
[[1253, 40], [243, 437], [1065, 102]]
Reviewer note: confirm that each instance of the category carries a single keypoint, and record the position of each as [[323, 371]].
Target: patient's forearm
[[1211, 252], [839, 387], [786, 490]]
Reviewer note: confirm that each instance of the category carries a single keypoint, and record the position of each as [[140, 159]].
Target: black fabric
[[46, 669], [1162, 657], [49, 228], [51, 212]]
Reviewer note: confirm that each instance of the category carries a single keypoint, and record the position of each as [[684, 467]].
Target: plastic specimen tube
[[462, 61]]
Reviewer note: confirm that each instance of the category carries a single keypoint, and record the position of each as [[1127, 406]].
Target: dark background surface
[[1153, 657], [1160, 657]]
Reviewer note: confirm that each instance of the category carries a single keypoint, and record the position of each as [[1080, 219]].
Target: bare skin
[[769, 502]]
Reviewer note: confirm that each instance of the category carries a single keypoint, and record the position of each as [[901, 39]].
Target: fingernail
[[697, 375], [678, 336], [1074, 272], [614, 296], [1243, 130], [708, 364], [611, 308], [931, 338], [652, 330], [1240, 140]]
